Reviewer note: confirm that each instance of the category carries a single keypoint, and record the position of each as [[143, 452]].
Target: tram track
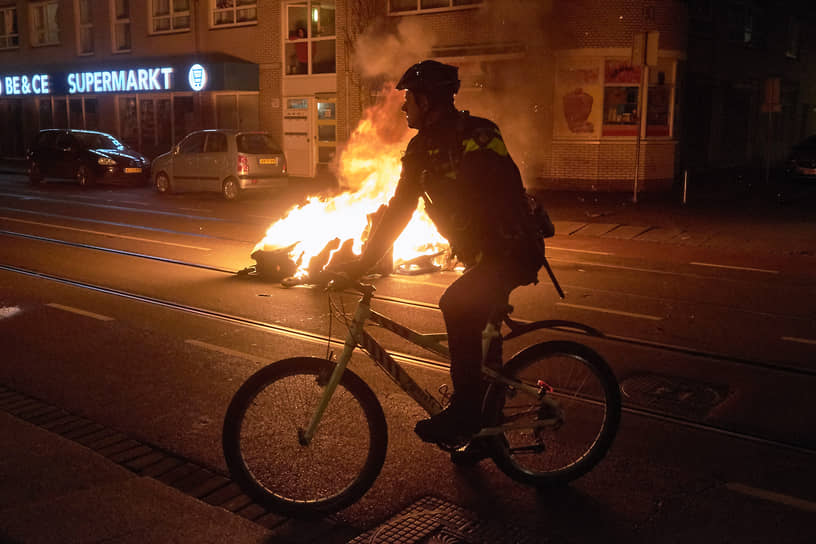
[[422, 361], [619, 339]]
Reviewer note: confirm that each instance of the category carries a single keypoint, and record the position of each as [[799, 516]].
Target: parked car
[[226, 161], [86, 156], [801, 161]]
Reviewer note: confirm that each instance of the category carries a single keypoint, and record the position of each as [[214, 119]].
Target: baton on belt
[[552, 278]]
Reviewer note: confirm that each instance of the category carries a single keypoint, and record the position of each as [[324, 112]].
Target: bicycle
[[307, 436]]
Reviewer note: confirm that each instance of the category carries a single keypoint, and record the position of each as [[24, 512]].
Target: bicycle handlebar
[[338, 281]]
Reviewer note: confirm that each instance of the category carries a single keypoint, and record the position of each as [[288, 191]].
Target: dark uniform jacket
[[472, 190]]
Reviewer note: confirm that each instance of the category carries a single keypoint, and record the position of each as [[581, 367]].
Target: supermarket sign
[[22, 85], [115, 81]]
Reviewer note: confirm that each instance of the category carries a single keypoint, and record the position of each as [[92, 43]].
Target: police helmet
[[430, 76]]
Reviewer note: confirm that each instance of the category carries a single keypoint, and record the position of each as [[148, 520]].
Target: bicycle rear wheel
[[583, 417], [262, 447]]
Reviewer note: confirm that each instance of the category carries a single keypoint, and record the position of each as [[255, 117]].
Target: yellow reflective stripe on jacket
[[496, 145]]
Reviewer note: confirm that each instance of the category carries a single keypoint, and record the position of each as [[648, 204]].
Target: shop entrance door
[[298, 136], [155, 125]]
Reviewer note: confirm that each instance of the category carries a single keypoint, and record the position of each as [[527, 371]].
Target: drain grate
[[434, 521], [190, 478]]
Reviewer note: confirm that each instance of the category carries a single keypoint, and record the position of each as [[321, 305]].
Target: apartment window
[[310, 47], [84, 23], [120, 23], [170, 15], [234, 12], [402, 6], [9, 35], [746, 25], [44, 27]]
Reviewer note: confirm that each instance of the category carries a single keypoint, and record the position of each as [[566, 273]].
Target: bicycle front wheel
[[262, 445], [558, 435]]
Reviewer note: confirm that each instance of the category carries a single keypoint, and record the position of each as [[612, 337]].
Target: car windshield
[[257, 143], [98, 141]]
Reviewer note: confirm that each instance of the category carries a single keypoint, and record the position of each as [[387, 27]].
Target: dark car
[[801, 162], [230, 162], [86, 156]]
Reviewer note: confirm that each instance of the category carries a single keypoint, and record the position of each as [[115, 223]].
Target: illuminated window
[[311, 43], [234, 12], [84, 26], [120, 22], [9, 35], [402, 6], [621, 85], [44, 27], [170, 15]]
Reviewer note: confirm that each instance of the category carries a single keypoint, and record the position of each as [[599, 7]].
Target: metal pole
[[685, 184]]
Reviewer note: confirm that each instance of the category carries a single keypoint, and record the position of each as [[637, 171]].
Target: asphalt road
[[129, 313]]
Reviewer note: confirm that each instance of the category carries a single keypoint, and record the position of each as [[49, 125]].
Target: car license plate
[[807, 171], [269, 161], [133, 170]]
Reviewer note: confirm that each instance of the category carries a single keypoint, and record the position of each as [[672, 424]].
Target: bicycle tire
[[555, 456], [304, 484]]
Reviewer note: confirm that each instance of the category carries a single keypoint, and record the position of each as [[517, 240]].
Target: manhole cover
[[434, 521], [673, 393]]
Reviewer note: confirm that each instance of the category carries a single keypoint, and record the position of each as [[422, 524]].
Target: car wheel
[[34, 174], [163, 184], [230, 189], [84, 176]]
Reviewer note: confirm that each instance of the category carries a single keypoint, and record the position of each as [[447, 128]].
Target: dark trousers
[[466, 306]]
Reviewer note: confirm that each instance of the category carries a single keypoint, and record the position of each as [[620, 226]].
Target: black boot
[[457, 421]]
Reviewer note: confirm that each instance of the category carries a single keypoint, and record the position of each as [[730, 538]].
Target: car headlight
[[106, 161]]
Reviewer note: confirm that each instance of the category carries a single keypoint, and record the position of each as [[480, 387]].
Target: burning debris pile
[[330, 231]]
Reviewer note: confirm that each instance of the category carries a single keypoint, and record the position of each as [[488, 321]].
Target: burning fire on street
[[331, 230]]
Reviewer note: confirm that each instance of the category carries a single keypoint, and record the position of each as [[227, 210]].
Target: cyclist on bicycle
[[459, 165]]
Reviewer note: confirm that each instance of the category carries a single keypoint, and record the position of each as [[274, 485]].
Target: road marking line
[[772, 496], [800, 340], [227, 351], [89, 231], [136, 202], [73, 310], [580, 250], [748, 268], [608, 311]]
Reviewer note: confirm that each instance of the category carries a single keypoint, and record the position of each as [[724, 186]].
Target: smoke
[[387, 54]]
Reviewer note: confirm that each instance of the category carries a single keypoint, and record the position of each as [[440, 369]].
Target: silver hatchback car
[[225, 161]]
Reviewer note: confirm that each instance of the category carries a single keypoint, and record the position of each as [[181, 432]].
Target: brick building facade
[[556, 75]]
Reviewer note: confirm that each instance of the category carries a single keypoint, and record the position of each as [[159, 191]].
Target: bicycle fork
[[360, 315]]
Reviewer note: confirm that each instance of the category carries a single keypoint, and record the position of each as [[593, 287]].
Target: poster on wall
[[621, 98], [578, 99]]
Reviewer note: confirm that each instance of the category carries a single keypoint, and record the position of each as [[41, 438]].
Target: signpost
[[644, 54]]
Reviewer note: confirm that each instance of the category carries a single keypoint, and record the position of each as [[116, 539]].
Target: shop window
[[183, 116], [91, 114], [248, 116], [402, 6], [44, 25], [128, 121], [226, 111], [310, 47], [234, 12], [9, 34], [120, 20], [170, 15], [84, 27], [660, 98], [45, 114], [621, 85], [75, 117], [60, 113]]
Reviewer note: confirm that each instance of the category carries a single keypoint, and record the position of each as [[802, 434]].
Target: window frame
[[79, 26], [7, 34], [309, 40], [171, 16], [420, 9], [34, 32], [115, 22], [234, 9]]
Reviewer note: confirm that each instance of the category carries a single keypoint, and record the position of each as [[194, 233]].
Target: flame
[[369, 167]]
